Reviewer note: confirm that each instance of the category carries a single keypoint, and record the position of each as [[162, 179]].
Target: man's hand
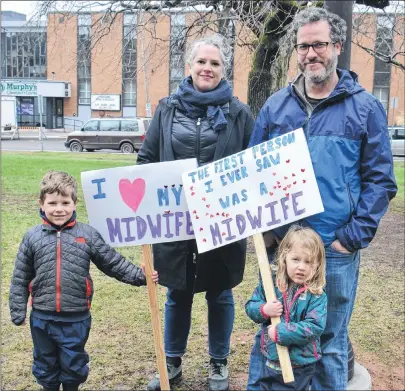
[[273, 308], [336, 245], [271, 330], [155, 275]]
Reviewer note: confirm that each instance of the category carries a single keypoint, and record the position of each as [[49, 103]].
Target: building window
[[177, 45], [129, 44], [84, 58], [23, 54], [382, 70]]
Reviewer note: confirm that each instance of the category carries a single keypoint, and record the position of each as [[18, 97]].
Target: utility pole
[[345, 10]]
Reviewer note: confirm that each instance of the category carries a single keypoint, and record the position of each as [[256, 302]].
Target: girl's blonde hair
[[309, 239]]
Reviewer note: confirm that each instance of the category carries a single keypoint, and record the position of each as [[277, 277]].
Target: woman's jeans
[[221, 314]]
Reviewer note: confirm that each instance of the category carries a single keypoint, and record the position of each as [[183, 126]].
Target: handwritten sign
[[256, 190], [137, 205]]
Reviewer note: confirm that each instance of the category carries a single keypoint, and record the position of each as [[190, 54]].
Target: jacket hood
[[71, 222]]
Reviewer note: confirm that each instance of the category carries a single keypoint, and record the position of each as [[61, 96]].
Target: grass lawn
[[122, 354]]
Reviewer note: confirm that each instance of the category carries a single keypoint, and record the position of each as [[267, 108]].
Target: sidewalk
[[31, 134]]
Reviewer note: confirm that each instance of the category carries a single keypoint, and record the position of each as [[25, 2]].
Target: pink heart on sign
[[132, 193]]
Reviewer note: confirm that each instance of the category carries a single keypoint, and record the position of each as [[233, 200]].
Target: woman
[[202, 120]]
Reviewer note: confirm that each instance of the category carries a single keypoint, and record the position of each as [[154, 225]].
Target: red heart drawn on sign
[[274, 187], [289, 186], [208, 205], [293, 174], [278, 182], [223, 233], [303, 181], [271, 193], [192, 193], [201, 229], [295, 182], [285, 188], [211, 216], [191, 188], [286, 177], [203, 198], [287, 161], [287, 194], [274, 173], [132, 193], [204, 240], [194, 211], [197, 217], [302, 169]]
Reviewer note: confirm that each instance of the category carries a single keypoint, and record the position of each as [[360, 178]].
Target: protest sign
[[137, 205], [256, 190]]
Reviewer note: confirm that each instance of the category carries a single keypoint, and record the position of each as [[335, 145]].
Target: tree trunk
[[272, 57]]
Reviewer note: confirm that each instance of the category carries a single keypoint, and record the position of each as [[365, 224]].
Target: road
[[30, 145], [56, 145]]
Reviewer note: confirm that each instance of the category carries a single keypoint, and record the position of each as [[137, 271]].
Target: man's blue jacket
[[348, 140]]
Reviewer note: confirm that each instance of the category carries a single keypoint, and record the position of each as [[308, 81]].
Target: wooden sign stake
[[154, 311], [268, 286]]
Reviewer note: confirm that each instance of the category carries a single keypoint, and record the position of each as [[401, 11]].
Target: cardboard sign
[[137, 205], [253, 191]]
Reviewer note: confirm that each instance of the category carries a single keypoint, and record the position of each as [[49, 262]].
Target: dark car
[[125, 134]]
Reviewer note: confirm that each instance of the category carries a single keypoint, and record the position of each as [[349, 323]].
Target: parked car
[[125, 134], [397, 136]]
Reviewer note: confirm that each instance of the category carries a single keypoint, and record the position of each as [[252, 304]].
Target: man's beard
[[325, 74]]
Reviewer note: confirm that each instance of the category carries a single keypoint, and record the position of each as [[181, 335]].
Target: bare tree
[[263, 29], [388, 25]]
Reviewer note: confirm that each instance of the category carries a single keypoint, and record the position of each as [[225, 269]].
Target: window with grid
[[23, 54], [177, 46], [382, 70], [84, 58], [129, 44]]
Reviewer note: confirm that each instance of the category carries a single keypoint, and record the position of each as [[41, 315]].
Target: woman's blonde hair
[[310, 240]]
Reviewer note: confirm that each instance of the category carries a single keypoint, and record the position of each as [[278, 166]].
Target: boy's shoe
[[174, 373], [218, 379]]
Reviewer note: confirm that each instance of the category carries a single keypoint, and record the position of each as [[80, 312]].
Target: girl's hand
[[271, 330], [155, 275], [273, 308]]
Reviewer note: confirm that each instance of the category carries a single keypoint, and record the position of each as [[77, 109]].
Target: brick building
[[125, 71]]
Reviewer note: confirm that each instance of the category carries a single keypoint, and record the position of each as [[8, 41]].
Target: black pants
[[271, 379], [59, 355]]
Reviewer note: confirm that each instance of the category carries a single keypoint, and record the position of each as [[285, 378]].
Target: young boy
[[53, 265]]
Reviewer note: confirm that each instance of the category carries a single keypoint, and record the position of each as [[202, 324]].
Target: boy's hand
[[155, 275], [271, 330], [273, 308]]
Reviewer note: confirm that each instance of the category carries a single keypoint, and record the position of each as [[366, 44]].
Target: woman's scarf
[[200, 104]]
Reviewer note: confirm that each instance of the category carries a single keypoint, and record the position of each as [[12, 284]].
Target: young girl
[[301, 305]]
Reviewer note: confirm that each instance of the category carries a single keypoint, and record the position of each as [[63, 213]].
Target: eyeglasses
[[319, 47]]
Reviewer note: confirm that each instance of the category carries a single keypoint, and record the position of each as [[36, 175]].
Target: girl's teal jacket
[[302, 324]]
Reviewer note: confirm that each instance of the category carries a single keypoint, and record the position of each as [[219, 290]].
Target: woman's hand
[[273, 308], [155, 275]]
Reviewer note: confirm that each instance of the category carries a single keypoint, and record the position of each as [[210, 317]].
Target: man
[[346, 131]]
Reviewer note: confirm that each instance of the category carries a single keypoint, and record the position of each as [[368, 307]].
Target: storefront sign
[[106, 102], [19, 88], [55, 89]]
